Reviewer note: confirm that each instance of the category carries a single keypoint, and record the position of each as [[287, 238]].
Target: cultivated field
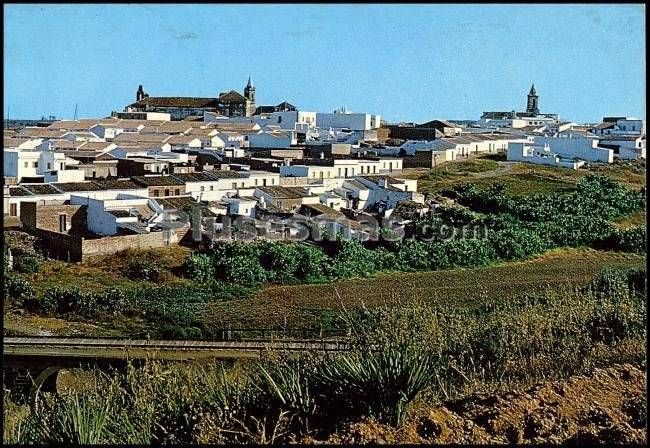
[[307, 304]]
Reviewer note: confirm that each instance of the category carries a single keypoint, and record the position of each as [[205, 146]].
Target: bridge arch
[[44, 382]]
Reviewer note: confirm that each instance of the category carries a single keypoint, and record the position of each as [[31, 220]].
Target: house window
[[13, 209], [202, 188], [26, 164], [255, 181], [211, 187], [166, 191], [234, 185], [155, 193], [94, 174], [177, 192], [279, 119], [35, 165], [49, 165], [63, 223], [264, 182]]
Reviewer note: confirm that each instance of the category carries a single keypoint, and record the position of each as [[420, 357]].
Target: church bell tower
[[249, 93], [531, 105]]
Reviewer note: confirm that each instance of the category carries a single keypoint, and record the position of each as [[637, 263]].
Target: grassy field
[[305, 304], [519, 178], [635, 219], [102, 272]]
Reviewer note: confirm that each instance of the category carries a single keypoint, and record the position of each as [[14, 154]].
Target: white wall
[[15, 161], [577, 147], [269, 140], [64, 176], [355, 122]]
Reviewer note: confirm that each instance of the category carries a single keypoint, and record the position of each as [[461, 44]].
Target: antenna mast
[[75, 112]]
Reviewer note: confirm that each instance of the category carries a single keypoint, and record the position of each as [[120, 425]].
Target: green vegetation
[[315, 305], [520, 179], [515, 229], [399, 356], [512, 229]]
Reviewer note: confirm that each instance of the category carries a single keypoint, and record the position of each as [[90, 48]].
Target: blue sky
[[405, 62]]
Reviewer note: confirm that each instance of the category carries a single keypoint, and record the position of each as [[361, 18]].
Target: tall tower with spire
[[249, 93], [531, 106], [140, 93]]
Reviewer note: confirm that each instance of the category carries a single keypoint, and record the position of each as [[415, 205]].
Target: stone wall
[[421, 159], [59, 245], [75, 248], [112, 244], [46, 217]]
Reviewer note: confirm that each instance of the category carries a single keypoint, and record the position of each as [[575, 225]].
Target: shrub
[[632, 239], [354, 260], [68, 300], [238, 262], [312, 263], [412, 255], [280, 260], [456, 215], [18, 288], [28, 264], [199, 267], [142, 269]]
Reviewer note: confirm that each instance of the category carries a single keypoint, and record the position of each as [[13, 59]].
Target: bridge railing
[[241, 334]]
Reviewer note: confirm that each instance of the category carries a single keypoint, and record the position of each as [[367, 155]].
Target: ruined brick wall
[[112, 244], [46, 217], [421, 159], [59, 245]]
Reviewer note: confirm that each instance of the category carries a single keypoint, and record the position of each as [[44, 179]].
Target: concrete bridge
[[31, 364]]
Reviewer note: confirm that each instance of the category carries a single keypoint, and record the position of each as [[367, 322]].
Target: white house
[[619, 126], [240, 206], [572, 147], [540, 155], [344, 120], [626, 147], [105, 216], [271, 140]]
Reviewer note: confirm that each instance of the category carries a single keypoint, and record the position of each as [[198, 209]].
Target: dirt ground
[[607, 407]]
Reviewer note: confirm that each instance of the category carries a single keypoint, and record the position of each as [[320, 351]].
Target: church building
[[530, 117], [229, 104]]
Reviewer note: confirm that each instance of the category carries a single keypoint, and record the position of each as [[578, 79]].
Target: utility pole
[[75, 112]]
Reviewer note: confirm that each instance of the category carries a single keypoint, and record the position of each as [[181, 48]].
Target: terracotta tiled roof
[[285, 192], [232, 97], [156, 181], [176, 101]]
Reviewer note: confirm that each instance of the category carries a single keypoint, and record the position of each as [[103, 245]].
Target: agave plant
[[381, 382], [75, 420]]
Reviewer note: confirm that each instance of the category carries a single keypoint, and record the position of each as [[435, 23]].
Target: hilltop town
[[99, 185], [211, 270]]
